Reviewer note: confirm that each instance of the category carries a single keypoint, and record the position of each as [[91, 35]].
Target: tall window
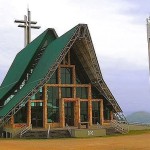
[[66, 75], [21, 115], [84, 111], [53, 105], [106, 113], [95, 112]]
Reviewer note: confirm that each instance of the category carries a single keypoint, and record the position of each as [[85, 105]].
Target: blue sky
[[118, 31]]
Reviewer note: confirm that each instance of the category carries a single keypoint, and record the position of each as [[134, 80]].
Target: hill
[[141, 117]]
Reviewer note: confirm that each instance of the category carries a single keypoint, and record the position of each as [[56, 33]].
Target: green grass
[[138, 132]]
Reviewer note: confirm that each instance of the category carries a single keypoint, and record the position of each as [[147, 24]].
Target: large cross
[[27, 27]]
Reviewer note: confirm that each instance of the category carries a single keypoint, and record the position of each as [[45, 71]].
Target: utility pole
[[28, 24]]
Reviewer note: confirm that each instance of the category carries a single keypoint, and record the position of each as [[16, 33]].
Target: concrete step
[[111, 131], [39, 134]]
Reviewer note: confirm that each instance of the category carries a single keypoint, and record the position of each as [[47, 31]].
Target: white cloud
[[119, 39]]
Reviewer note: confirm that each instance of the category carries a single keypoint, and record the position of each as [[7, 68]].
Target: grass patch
[[138, 132]]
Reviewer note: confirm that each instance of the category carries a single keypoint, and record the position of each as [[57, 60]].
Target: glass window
[[95, 93], [106, 113], [66, 92], [53, 79], [82, 92], [33, 104], [21, 115], [84, 111], [53, 105], [66, 75], [95, 112]]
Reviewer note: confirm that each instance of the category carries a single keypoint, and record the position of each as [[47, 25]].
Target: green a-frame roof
[[48, 50]]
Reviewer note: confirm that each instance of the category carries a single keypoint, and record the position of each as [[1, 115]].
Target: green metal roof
[[49, 57], [23, 60]]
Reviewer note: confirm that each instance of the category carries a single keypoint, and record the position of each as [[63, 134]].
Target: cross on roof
[[27, 27]]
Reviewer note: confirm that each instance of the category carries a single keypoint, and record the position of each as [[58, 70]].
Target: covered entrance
[[70, 112], [37, 114]]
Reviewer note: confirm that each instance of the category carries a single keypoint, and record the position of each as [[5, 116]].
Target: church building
[[56, 81]]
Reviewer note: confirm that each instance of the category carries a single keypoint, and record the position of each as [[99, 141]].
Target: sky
[[118, 31]]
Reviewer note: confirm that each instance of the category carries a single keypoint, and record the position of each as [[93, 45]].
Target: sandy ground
[[127, 142]]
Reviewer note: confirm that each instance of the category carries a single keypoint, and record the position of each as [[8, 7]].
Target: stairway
[[111, 131], [42, 134]]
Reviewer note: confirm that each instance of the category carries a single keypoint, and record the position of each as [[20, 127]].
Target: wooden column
[[74, 81], [62, 113], [61, 104], [89, 105], [76, 112], [111, 115], [45, 106], [29, 113], [101, 112], [12, 121]]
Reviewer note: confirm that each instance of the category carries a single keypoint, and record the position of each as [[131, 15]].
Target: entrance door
[[37, 114], [69, 113]]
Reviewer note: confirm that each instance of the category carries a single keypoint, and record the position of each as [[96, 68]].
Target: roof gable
[[23, 59], [78, 37], [48, 61]]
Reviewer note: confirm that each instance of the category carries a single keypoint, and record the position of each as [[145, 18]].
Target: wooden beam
[[45, 107], [62, 113], [29, 113], [96, 100], [111, 115], [89, 105], [101, 112], [68, 85], [66, 66], [68, 57], [12, 121], [69, 99], [36, 100]]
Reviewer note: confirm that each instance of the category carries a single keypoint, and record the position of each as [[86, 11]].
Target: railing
[[22, 127], [25, 130], [48, 131], [69, 129], [99, 126], [118, 127]]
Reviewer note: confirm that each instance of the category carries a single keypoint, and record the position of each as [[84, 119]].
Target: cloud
[[129, 84], [118, 31]]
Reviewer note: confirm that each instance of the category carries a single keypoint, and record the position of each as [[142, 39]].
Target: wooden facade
[[58, 108]]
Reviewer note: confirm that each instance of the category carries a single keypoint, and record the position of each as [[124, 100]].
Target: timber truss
[[81, 33]]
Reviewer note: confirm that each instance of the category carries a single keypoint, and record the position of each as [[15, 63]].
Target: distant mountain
[[141, 117]]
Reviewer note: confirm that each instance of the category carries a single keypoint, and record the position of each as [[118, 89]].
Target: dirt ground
[[127, 142]]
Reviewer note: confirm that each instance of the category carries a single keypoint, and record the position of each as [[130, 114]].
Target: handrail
[[116, 125], [22, 127], [48, 131], [69, 129], [25, 130], [98, 125]]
